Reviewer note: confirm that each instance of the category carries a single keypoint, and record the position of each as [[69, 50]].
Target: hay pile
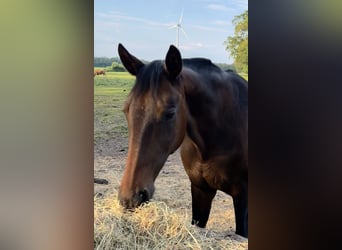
[[152, 226]]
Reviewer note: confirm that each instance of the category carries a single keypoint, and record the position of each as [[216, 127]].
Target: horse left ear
[[173, 62], [131, 63]]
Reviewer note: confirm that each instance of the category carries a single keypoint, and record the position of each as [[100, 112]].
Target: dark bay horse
[[192, 104]]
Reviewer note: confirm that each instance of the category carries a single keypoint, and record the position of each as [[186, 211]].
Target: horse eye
[[169, 114]]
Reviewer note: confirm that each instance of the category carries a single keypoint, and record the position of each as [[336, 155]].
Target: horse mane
[[200, 64], [150, 74], [148, 78]]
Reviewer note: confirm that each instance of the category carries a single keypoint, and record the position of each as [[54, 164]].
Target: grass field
[[110, 92], [164, 223]]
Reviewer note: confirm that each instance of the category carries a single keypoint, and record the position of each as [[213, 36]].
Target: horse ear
[[131, 63], [173, 61]]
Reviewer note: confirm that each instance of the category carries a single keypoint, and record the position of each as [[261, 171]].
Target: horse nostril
[[124, 203], [143, 195], [134, 201]]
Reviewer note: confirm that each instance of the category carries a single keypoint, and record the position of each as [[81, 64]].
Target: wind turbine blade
[[173, 26], [181, 17], [184, 33]]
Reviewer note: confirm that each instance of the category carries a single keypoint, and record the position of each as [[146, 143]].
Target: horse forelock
[[148, 78]]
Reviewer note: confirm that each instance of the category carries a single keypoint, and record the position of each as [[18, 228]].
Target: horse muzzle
[[135, 200]]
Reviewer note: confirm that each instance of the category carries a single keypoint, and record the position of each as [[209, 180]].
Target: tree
[[117, 67], [237, 45]]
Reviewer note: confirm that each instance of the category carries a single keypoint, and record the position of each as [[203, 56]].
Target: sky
[[143, 27]]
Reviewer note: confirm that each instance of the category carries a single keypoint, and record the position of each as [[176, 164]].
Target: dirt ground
[[172, 186]]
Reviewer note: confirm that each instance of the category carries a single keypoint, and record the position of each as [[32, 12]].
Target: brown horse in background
[[99, 72], [193, 104]]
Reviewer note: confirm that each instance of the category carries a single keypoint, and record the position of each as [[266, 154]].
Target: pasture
[[164, 223]]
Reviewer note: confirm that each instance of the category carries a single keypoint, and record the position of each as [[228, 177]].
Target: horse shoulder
[[219, 172]]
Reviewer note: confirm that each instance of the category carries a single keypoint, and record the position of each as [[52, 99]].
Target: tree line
[[105, 61], [114, 64]]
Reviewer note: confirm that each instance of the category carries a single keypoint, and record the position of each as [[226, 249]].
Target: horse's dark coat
[[193, 104]]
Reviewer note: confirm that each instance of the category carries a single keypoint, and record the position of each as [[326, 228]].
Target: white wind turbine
[[179, 27]]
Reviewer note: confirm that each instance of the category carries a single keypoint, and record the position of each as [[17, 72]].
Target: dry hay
[[152, 226]]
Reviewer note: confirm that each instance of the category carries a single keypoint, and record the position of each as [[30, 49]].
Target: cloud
[[106, 25], [243, 4], [218, 7], [221, 22], [192, 46], [207, 28], [118, 17]]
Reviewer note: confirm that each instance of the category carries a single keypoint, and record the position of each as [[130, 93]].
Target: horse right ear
[[173, 62], [131, 63]]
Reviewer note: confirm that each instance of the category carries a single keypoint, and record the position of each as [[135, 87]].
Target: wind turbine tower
[[178, 25]]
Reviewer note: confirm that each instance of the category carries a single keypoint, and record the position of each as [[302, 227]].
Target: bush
[[117, 67]]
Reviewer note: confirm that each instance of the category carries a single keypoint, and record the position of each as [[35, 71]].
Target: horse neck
[[202, 98], [198, 112], [208, 110]]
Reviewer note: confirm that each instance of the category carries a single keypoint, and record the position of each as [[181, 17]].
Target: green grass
[[115, 79], [116, 75], [110, 94]]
